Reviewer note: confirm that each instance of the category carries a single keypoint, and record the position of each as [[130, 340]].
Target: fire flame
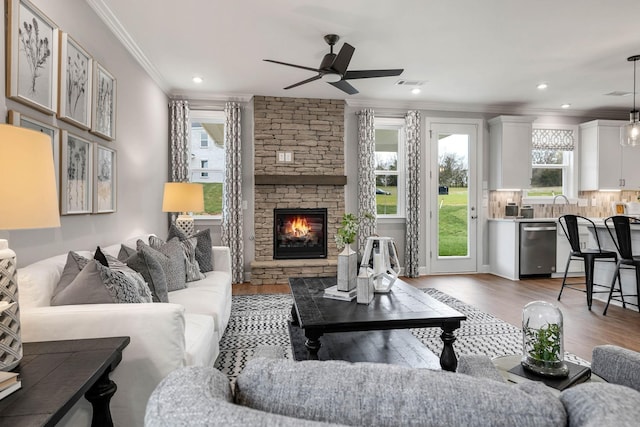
[[297, 227]]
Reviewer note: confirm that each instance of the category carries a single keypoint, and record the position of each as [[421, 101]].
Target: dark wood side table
[[56, 374]]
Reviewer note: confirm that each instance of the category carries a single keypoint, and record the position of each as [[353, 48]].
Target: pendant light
[[632, 130]]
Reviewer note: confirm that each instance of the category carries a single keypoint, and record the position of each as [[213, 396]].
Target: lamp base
[[10, 341], [186, 224]]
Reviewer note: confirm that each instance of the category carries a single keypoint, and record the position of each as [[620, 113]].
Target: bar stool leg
[[564, 279], [589, 280], [616, 275]]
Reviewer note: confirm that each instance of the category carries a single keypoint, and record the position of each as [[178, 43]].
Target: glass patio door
[[453, 211]]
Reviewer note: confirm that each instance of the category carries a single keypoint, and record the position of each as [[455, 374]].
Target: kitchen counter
[[524, 219]]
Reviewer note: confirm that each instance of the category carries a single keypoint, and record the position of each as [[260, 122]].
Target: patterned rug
[[262, 320]]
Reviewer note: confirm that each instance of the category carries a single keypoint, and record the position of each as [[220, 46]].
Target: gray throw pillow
[[203, 247], [75, 263], [171, 257], [145, 261], [97, 284], [192, 268]]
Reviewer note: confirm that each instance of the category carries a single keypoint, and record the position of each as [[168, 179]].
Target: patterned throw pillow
[[203, 247], [145, 261], [191, 264], [170, 255]]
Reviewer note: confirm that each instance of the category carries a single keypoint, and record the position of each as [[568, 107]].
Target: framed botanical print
[[76, 75], [32, 56], [105, 180], [103, 121], [19, 119], [77, 172]]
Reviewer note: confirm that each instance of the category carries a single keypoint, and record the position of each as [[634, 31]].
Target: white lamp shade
[[183, 197], [28, 194]]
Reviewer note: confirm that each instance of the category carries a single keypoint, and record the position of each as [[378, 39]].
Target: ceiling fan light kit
[[632, 130], [333, 68]]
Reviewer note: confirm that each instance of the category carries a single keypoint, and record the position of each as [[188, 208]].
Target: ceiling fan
[[333, 68]]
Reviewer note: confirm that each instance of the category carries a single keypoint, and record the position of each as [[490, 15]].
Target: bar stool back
[[622, 226], [589, 256]]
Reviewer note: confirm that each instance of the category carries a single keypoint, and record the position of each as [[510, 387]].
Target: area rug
[[262, 320]]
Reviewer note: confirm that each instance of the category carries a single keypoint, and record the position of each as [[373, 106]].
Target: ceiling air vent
[[618, 93], [410, 82]]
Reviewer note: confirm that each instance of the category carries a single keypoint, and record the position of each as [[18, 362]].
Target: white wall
[[141, 143]]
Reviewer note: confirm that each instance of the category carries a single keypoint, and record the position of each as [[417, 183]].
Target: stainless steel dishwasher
[[537, 248]]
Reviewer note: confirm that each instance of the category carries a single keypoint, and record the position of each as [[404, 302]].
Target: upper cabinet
[[604, 163], [510, 152]]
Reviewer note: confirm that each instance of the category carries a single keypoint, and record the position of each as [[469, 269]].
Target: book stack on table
[[9, 382], [577, 374]]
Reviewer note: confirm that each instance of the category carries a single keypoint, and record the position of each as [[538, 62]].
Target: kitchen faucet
[[554, 201]]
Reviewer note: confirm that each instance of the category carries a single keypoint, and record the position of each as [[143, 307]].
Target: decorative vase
[[365, 290], [543, 340], [347, 269]]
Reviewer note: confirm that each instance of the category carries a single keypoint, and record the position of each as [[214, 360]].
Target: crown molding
[[111, 21]]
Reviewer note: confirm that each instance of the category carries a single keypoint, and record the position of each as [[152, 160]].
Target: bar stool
[[569, 224], [622, 240]]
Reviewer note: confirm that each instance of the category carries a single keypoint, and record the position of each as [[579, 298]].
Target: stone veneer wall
[[313, 130]]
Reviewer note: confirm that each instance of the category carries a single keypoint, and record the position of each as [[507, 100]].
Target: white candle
[[378, 263]]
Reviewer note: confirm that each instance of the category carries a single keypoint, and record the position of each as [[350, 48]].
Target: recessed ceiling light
[[542, 86], [197, 79], [415, 90], [565, 106]]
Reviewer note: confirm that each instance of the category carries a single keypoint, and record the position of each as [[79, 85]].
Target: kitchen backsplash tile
[[499, 199]]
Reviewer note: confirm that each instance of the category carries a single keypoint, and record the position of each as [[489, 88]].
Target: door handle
[[474, 217]]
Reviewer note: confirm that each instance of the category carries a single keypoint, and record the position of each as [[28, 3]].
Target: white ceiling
[[472, 54]]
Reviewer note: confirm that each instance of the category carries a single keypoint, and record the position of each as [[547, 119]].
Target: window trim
[[398, 124]]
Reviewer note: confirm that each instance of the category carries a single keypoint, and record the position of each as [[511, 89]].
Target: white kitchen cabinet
[[510, 152], [604, 163], [504, 248]]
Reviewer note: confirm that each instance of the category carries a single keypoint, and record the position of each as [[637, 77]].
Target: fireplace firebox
[[299, 233]]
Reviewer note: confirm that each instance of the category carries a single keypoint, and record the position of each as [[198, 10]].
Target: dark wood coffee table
[[403, 308], [56, 374]]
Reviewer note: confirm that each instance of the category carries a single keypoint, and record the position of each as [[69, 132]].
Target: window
[[389, 167], [207, 157], [552, 163]]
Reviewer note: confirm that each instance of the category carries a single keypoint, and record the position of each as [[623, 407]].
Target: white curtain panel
[[232, 221], [180, 149], [412, 237], [366, 176]]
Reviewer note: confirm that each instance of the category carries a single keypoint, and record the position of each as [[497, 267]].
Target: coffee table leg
[[294, 316], [448, 360], [100, 395], [313, 344]]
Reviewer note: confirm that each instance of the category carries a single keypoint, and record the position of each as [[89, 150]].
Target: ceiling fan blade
[[304, 81], [367, 74], [292, 65], [342, 60], [345, 87]]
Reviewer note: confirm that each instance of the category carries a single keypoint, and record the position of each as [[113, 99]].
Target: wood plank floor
[[504, 299]]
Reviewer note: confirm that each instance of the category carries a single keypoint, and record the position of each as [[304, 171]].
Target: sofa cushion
[[97, 284], [147, 264], [192, 268], [170, 257], [598, 404], [387, 395], [203, 247]]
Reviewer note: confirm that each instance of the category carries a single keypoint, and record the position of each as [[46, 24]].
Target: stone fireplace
[[312, 131]]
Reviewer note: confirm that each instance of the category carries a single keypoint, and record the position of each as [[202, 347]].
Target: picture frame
[[31, 56], [76, 166], [76, 77], [105, 180], [18, 119], [103, 121]]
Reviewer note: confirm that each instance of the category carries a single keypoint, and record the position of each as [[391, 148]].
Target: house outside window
[[552, 164], [389, 167], [207, 158]]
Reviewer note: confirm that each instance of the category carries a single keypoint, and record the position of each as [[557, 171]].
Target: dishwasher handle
[[539, 229]]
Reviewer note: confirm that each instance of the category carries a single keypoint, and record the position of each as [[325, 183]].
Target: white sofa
[[164, 336]]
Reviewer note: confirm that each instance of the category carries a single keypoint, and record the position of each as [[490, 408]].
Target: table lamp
[[183, 197], [28, 199]]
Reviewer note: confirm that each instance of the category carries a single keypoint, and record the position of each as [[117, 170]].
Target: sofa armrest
[[221, 258], [157, 347], [617, 365], [478, 366]]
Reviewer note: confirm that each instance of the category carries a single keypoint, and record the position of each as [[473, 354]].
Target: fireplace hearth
[[299, 233]]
